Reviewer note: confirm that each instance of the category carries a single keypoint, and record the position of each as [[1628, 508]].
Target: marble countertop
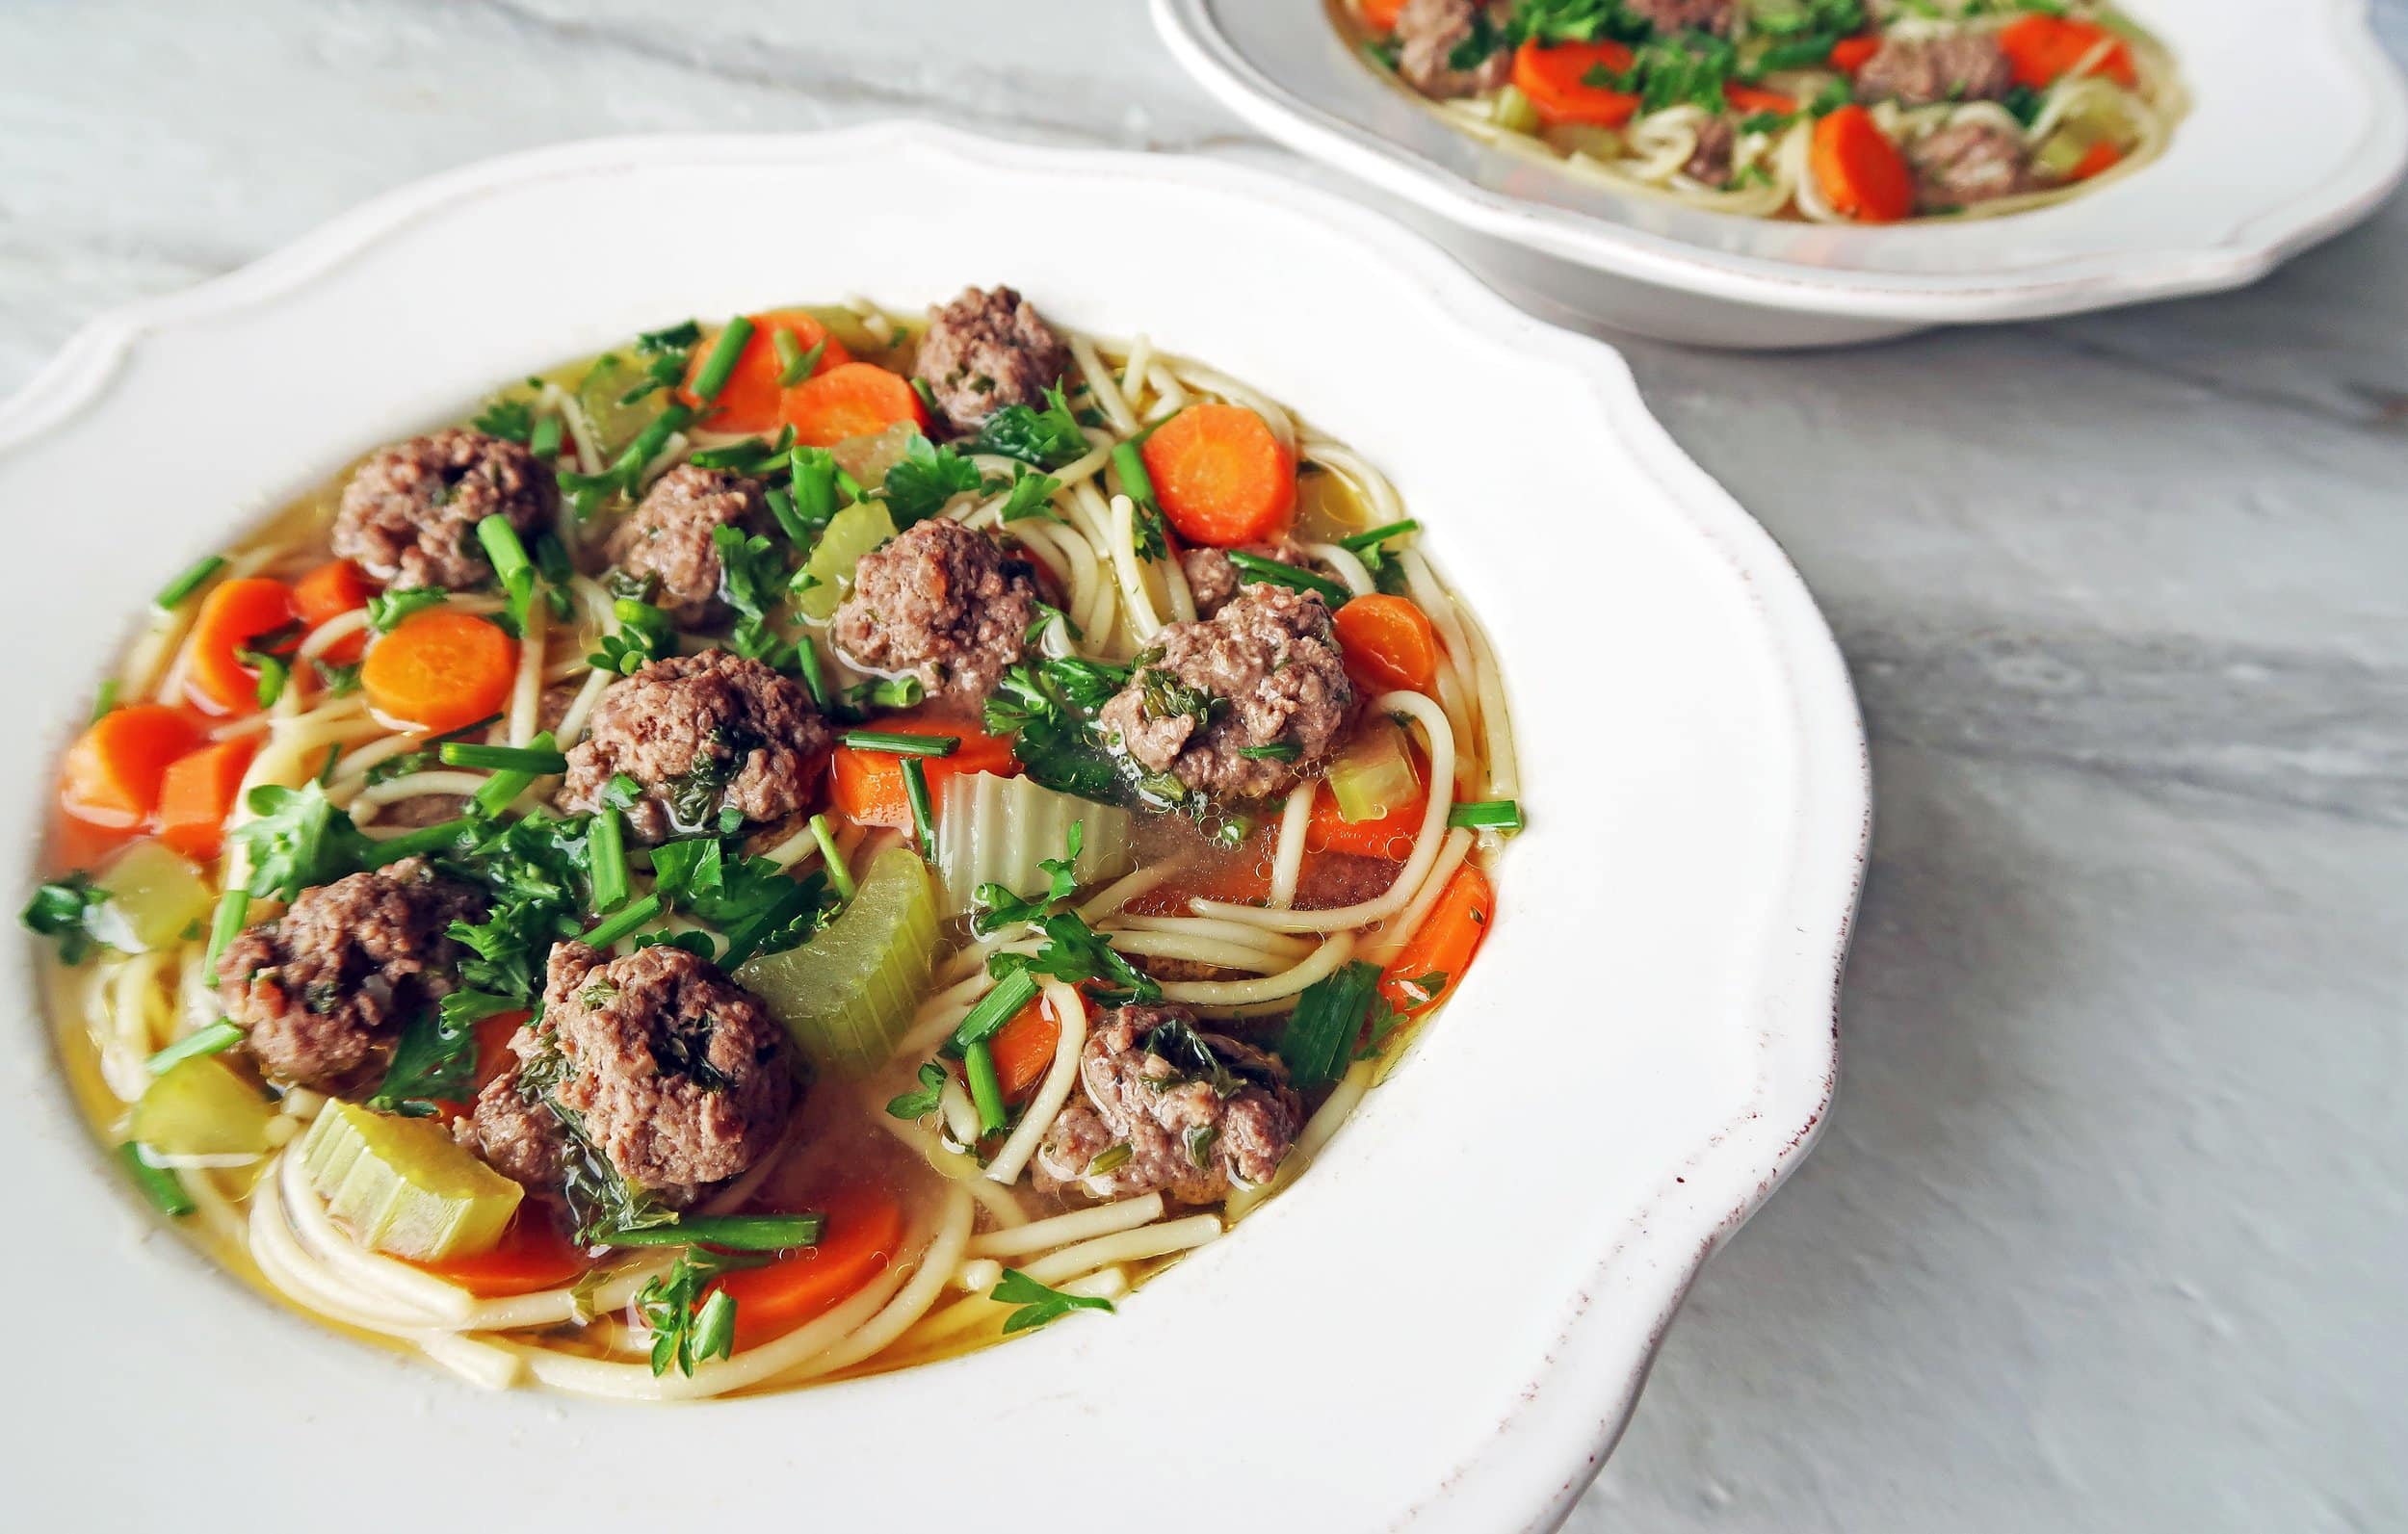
[[2108, 1229]]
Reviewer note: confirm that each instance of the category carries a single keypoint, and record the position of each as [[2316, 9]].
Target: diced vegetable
[[598, 394], [154, 897], [851, 399], [848, 995], [868, 458], [1514, 112], [850, 533], [1555, 81], [1861, 173], [235, 617], [403, 1186], [198, 793], [995, 830], [113, 769], [1389, 643], [1375, 774], [203, 1107]]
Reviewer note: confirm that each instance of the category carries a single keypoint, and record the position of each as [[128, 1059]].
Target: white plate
[[2298, 127], [1446, 1322]]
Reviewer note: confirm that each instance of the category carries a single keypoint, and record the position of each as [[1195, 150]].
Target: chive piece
[[213, 1039], [509, 781], [737, 1233], [898, 693], [1253, 567], [838, 873], [922, 818], [789, 358], [545, 443], [509, 562], [161, 1186], [606, 848], [720, 365], [1374, 536], [503, 758], [1275, 751], [232, 908], [650, 442], [1502, 815], [606, 932], [987, 1088], [428, 839], [104, 700], [183, 586], [995, 1008], [898, 745], [715, 1327], [807, 661]]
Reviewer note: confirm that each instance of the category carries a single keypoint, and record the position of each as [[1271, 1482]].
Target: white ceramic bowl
[[2298, 127], [1446, 1322]]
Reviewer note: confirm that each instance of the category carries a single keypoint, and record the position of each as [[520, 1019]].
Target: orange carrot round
[[2041, 48], [1446, 941], [850, 399], [1024, 1050], [533, 1255], [1851, 54], [115, 769], [1861, 173], [1557, 82], [752, 399], [1389, 643], [233, 616], [1221, 475], [327, 593], [864, 1233], [197, 793], [1380, 15], [438, 670], [1756, 99], [867, 786]]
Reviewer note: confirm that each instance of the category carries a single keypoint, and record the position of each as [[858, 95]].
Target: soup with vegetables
[[1833, 111], [791, 848]]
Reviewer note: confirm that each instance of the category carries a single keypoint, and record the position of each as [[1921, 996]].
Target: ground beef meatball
[[410, 515], [942, 603], [421, 810], [323, 990], [1957, 67], [1428, 32], [700, 733], [678, 1075], [666, 538], [1263, 671], [519, 1138], [987, 350], [1200, 1113], [1685, 15], [1213, 580], [1968, 162], [1711, 160]]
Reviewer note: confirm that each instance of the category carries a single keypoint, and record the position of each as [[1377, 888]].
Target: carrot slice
[[115, 769], [197, 794], [2098, 160], [1851, 54], [1861, 173], [754, 400], [1024, 1049], [1380, 14], [867, 786], [1389, 643], [864, 1234], [533, 1255], [1446, 941], [233, 617], [327, 593], [850, 399], [1559, 82], [1756, 99], [438, 670], [2041, 48], [1221, 475], [1241, 878]]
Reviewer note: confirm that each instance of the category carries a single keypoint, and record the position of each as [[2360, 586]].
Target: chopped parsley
[[920, 1103], [1046, 438], [926, 478], [1040, 1304], [62, 910]]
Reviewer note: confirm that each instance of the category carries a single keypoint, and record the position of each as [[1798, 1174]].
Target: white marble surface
[[2108, 1230]]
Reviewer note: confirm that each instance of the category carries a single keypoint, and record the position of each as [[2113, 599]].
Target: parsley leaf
[[1039, 1303], [435, 1057], [1032, 496], [389, 607], [752, 581], [926, 478], [296, 838], [63, 909], [645, 633], [512, 420], [1328, 1018], [688, 1326], [755, 904], [922, 1103], [995, 905], [1046, 438]]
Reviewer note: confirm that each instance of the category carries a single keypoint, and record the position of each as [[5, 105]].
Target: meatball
[[987, 350], [1710, 162], [324, 990], [1685, 15], [676, 1074], [699, 733], [1968, 162], [1261, 675], [1200, 1113], [1428, 32], [518, 1136], [667, 539], [1956, 66], [1213, 578], [410, 515], [943, 603]]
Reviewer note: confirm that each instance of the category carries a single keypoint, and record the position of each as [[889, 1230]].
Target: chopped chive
[[650, 442], [807, 661], [987, 1088], [161, 1186], [996, 1007], [427, 838], [1253, 567], [797, 364], [1360, 541], [190, 581], [104, 700], [815, 473], [720, 365], [898, 693], [915, 778], [274, 675], [606, 848], [838, 873], [1501, 815], [217, 1037], [737, 1233], [928, 396], [606, 932], [849, 485], [715, 1327], [545, 443], [1130, 465], [898, 745], [503, 758], [325, 769], [232, 908], [509, 562], [1275, 751]]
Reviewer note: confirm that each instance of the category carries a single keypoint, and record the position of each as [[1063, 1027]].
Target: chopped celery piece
[[848, 995], [995, 830], [404, 1186], [1579, 138], [154, 897], [2060, 153], [1514, 112], [1375, 776], [615, 424], [203, 1107], [868, 458], [850, 533]]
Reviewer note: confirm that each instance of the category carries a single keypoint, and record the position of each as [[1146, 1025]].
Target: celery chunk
[[203, 1107], [996, 830], [850, 533], [404, 1186], [154, 897], [848, 995], [1375, 777]]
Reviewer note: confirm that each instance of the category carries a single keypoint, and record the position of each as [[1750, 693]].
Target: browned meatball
[[521, 1138], [1968, 162], [1200, 1113], [987, 350], [323, 989], [1956, 66], [675, 1073], [942, 603], [1711, 160], [1264, 674], [410, 515], [1213, 580], [700, 733], [666, 538], [1428, 32]]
